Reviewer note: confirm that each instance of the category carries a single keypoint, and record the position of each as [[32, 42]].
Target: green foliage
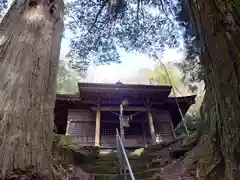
[[193, 124], [141, 77], [237, 6], [167, 75], [192, 118], [190, 66], [62, 140], [158, 76], [64, 149], [99, 27], [67, 78]]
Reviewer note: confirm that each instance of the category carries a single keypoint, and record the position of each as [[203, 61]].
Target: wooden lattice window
[[135, 129], [81, 128], [108, 129], [87, 129]]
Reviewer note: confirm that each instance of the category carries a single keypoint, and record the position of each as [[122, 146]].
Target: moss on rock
[[64, 150]]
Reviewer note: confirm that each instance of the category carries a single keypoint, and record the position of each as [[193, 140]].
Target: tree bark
[[30, 38], [218, 24]]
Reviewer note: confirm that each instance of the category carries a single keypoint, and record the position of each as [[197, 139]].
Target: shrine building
[[91, 117]]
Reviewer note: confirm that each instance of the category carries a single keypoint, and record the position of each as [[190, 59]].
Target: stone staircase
[[159, 162], [156, 162]]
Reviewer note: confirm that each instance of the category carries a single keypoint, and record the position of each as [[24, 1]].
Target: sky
[[130, 65]]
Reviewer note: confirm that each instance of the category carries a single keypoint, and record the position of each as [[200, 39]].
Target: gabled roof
[[122, 86], [114, 91], [184, 104]]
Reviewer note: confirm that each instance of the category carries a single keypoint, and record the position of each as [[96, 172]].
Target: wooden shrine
[[92, 116]]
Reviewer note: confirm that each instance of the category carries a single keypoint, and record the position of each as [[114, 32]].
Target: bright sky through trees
[[131, 63]]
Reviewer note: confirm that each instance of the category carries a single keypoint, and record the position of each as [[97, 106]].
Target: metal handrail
[[123, 159]]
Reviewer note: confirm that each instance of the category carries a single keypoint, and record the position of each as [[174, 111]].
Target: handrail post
[[122, 133], [122, 154], [119, 154]]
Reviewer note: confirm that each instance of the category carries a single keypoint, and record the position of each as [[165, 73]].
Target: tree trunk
[[30, 38], [217, 24]]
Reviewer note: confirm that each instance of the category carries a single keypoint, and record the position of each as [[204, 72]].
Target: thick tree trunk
[[30, 38], [217, 23]]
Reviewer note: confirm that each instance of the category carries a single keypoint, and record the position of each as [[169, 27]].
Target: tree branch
[[97, 15], [138, 7]]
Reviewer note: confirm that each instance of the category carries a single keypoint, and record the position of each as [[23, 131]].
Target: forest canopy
[[100, 27]]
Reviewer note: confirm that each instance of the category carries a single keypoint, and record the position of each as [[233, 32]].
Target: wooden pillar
[[144, 135], [97, 130], [122, 132], [151, 125]]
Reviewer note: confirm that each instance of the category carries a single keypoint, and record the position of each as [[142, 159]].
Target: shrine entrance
[[135, 134], [92, 116]]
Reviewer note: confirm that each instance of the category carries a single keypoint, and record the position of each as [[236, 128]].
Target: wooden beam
[[123, 89], [109, 108], [68, 98], [110, 102], [118, 102], [97, 130], [151, 125], [117, 121]]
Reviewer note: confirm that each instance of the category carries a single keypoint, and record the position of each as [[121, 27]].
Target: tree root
[[58, 172], [63, 172], [27, 174]]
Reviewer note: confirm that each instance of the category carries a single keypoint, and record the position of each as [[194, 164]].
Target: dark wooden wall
[[163, 125], [81, 125]]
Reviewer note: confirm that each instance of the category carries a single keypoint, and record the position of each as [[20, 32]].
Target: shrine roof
[[103, 90], [68, 97], [74, 100], [184, 103], [121, 86], [187, 100], [114, 94]]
